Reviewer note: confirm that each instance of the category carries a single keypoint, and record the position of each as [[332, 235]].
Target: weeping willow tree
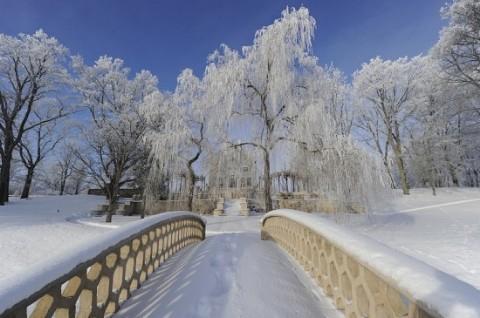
[[344, 174], [177, 134], [260, 86], [326, 155]]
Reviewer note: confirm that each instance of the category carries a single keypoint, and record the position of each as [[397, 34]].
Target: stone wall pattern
[[355, 289]]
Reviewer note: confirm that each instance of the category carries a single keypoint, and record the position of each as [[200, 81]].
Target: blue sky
[[168, 36]]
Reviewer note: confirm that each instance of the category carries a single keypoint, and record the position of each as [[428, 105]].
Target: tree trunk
[[111, 207], [142, 212], [432, 180], [389, 172], [77, 188], [267, 182], [191, 187], [111, 201], [62, 185], [431, 163], [453, 174], [5, 178], [28, 183], [401, 168], [112, 195], [403, 175]]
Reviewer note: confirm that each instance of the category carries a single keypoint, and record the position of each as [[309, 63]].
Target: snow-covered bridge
[[231, 274], [165, 266]]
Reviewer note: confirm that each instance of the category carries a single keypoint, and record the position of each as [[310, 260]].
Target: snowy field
[[443, 231], [43, 226]]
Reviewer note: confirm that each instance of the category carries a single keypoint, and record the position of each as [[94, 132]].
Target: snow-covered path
[[232, 207], [231, 274]]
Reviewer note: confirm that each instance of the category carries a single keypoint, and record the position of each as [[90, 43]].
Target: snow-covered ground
[[34, 229], [443, 231], [231, 274]]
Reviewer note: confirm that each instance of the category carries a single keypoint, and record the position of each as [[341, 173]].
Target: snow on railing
[[364, 277], [96, 278]]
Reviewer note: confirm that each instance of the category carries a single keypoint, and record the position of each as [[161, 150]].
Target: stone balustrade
[[365, 278], [313, 202], [203, 206], [244, 210], [96, 286]]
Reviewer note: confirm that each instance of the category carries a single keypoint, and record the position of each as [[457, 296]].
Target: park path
[[231, 274]]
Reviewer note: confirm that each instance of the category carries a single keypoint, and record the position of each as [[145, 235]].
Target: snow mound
[[16, 288], [436, 290]]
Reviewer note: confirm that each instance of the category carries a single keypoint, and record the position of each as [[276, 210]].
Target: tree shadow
[[165, 286]]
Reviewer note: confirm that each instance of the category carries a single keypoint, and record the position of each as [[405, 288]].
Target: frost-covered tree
[[77, 181], [459, 44], [385, 92], [325, 156], [336, 94], [31, 69], [113, 137], [178, 130], [458, 51], [35, 145], [261, 86], [436, 140], [64, 167], [444, 137], [64, 174]]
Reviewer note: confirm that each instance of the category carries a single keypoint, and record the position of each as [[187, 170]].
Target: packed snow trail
[[231, 274], [428, 207]]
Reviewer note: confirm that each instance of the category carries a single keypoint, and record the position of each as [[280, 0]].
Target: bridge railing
[[94, 280], [365, 278]]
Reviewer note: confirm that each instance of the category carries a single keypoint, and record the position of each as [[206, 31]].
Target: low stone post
[[220, 209]]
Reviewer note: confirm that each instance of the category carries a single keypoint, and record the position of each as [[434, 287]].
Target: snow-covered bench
[[96, 278], [364, 277]]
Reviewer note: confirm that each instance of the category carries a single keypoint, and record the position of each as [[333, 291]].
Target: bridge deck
[[231, 274]]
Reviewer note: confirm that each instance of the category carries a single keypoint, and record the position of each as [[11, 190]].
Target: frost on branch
[[32, 70], [268, 98], [112, 147]]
